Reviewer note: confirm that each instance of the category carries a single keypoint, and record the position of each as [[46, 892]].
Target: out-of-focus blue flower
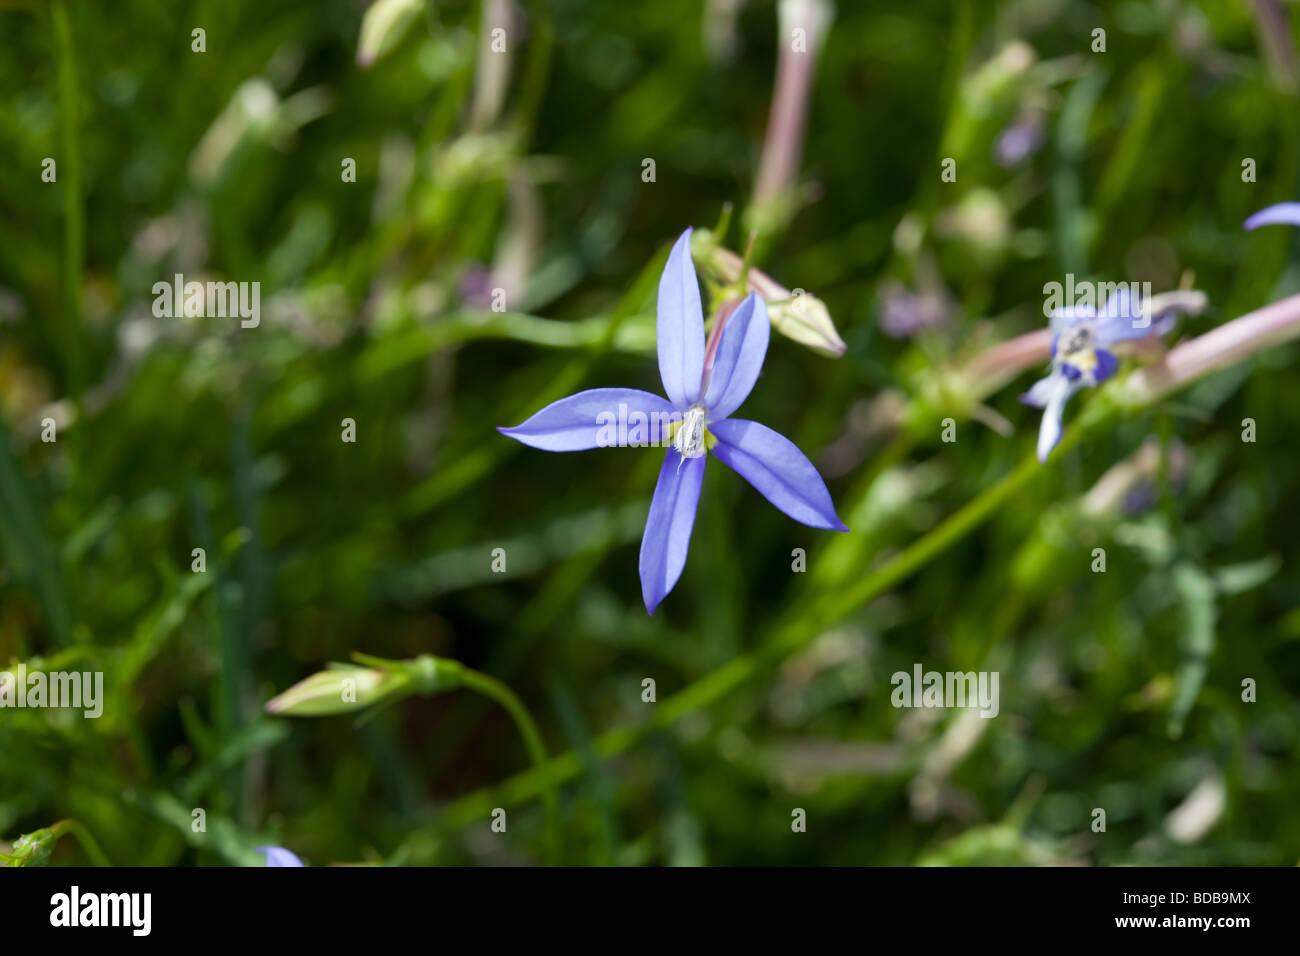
[[1081, 356], [905, 314], [705, 383], [1019, 141], [1282, 214], [476, 286], [279, 856]]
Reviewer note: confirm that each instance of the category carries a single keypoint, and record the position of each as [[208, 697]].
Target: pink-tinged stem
[[492, 68], [1273, 28], [783, 145], [784, 142], [715, 336], [1231, 342], [994, 367], [729, 265]]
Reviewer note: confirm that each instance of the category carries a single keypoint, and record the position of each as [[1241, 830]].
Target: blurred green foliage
[[1120, 690]]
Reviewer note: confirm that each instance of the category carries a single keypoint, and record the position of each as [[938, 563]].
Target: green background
[[1119, 691]]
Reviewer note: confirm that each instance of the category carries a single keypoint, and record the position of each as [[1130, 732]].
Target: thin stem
[[55, 832], [73, 233], [1266, 327], [778, 168], [793, 634], [83, 837], [1233, 341], [507, 698], [537, 66]]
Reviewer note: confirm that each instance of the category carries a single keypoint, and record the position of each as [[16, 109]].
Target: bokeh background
[[523, 170]]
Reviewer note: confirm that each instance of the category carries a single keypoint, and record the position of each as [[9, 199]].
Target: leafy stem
[[793, 633], [428, 675], [34, 849], [495, 690], [1267, 327]]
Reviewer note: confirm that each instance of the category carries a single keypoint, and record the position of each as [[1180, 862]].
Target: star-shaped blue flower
[[705, 383], [1081, 356]]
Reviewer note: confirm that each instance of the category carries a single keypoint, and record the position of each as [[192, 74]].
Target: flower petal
[[279, 856], [740, 357], [780, 471], [1069, 316], [668, 527], [1282, 214], [679, 326], [1040, 392], [1107, 365], [1055, 392], [1122, 318], [597, 418]]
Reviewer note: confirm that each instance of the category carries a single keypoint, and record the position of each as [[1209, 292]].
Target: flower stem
[[791, 635], [1233, 341], [492, 688], [79, 833], [82, 836], [73, 231], [1266, 327]]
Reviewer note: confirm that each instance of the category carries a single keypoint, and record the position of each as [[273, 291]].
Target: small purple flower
[[905, 314], [279, 856], [1019, 141], [1081, 356], [705, 383], [1282, 214], [476, 285]]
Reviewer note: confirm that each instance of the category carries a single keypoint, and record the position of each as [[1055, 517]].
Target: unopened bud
[[804, 318], [34, 849], [338, 690], [797, 315]]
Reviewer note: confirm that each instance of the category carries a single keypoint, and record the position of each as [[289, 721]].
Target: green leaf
[[1196, 597]]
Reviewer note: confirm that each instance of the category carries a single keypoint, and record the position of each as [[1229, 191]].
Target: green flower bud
[[339, 690], [804, 318], [797, 315], [34, 849], [343, 688]]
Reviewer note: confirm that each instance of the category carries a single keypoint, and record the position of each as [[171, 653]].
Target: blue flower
[[1081, 356], [1284, 213], [279, 856], [705, 383]]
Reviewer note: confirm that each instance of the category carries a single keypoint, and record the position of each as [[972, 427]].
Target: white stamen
[[689, 440]]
